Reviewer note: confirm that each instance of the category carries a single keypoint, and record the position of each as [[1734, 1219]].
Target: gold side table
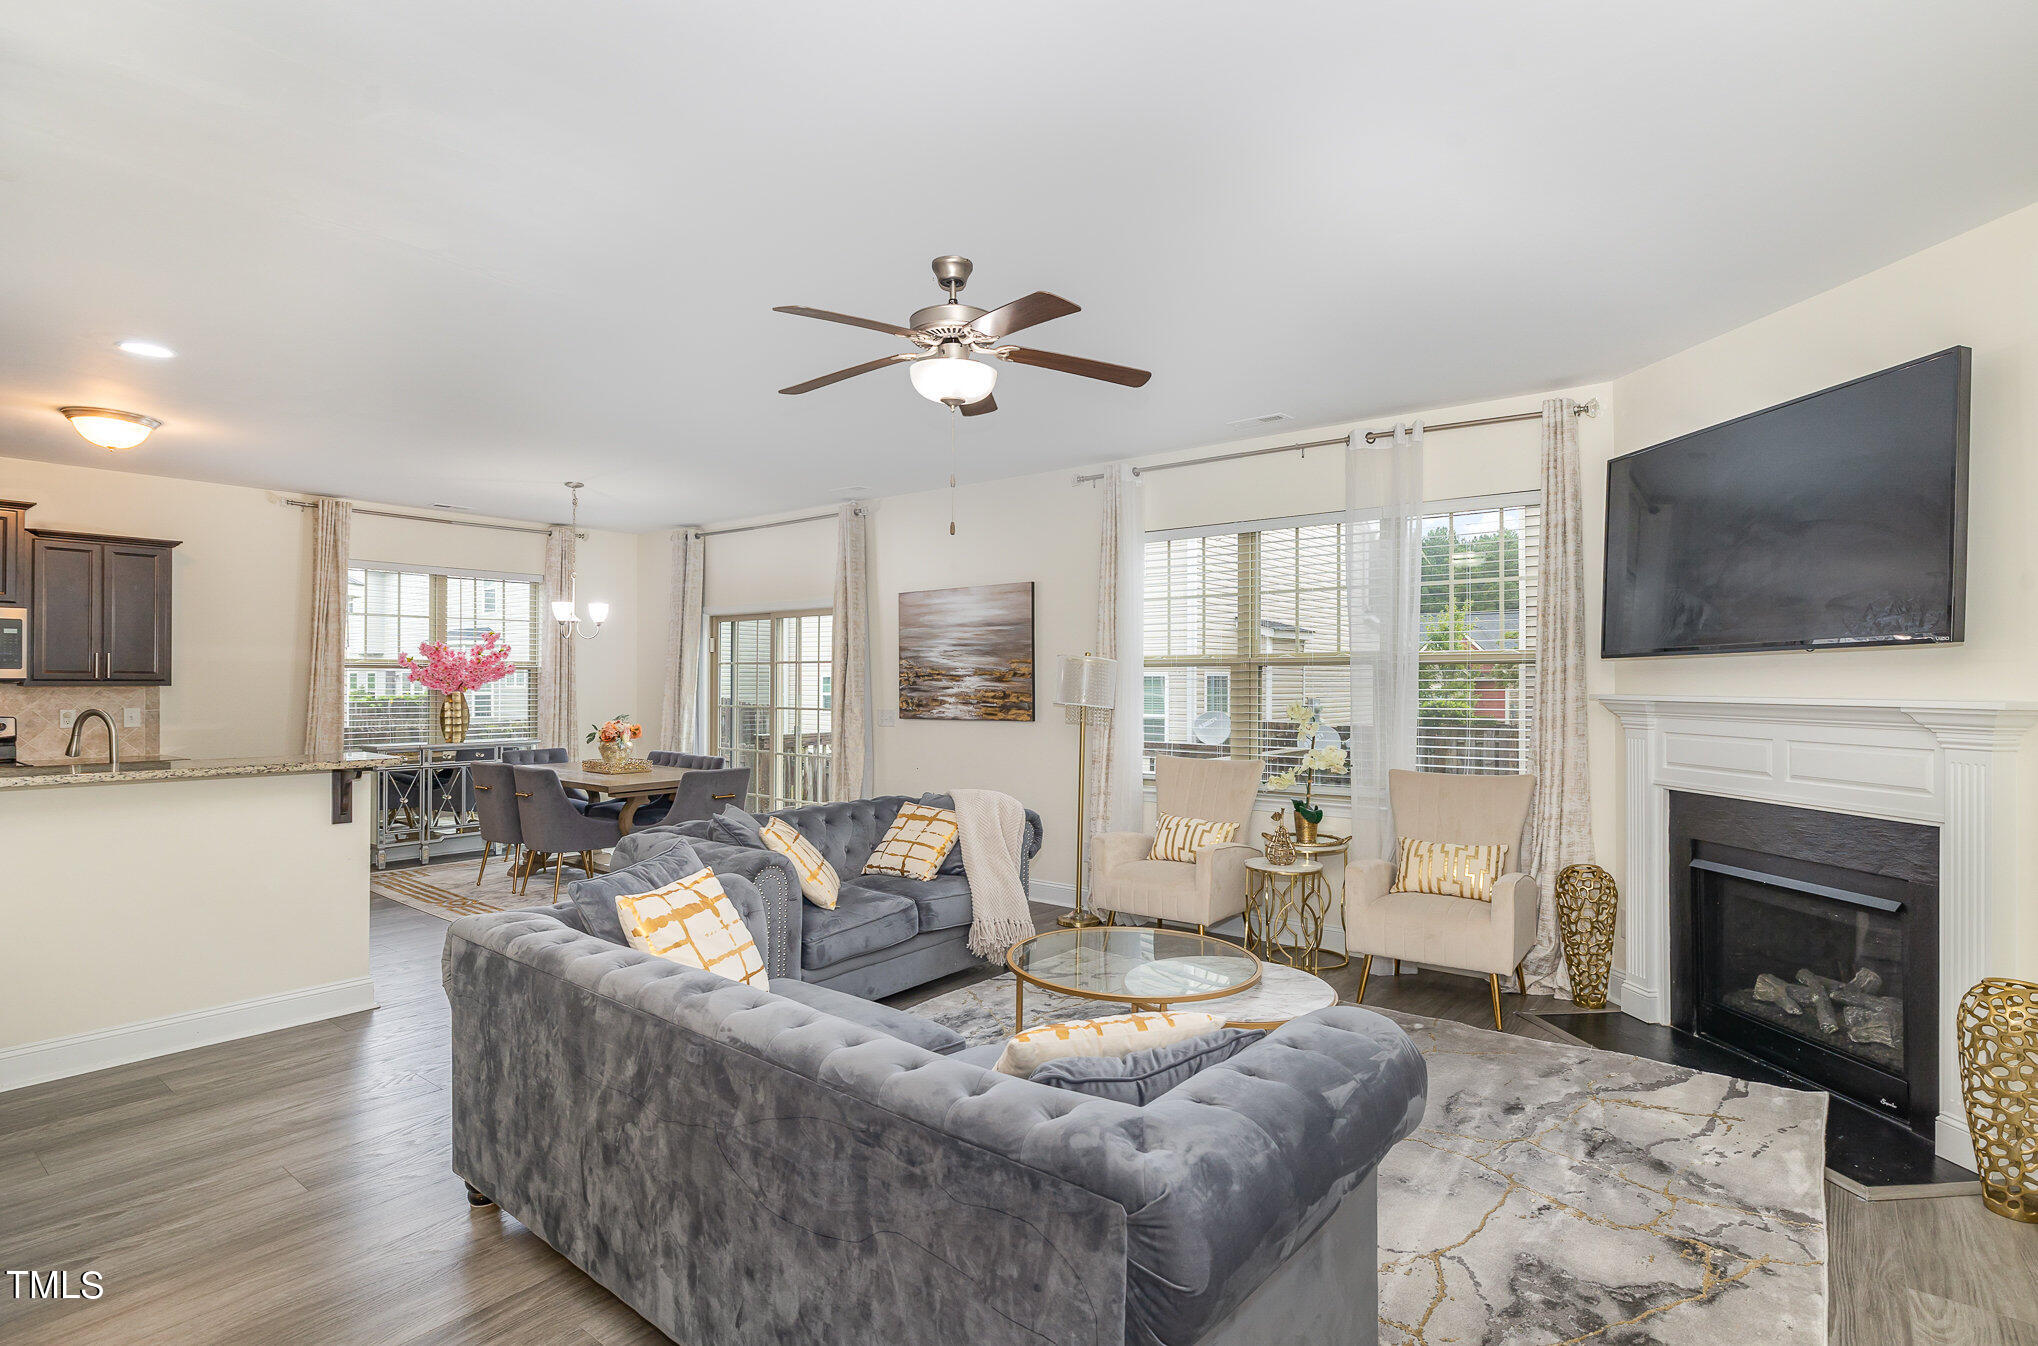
[[1321, 851], [1286, 902]]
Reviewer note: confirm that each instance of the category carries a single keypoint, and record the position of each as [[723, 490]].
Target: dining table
[[632, 787]]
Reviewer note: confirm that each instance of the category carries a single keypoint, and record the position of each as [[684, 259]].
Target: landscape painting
[[967, 654]]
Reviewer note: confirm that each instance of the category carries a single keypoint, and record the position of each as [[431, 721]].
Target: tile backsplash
[[41, 739]]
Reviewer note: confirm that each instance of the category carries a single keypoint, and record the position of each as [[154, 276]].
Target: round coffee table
[[1145, 969]]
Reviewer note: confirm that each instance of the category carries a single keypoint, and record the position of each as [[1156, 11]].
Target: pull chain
[[954, 457]]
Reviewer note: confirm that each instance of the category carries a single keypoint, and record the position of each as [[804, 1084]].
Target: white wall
[[242, 594], [1979, 290]]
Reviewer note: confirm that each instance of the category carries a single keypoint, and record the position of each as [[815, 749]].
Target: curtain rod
[[1588, 408], [428, 518], [779, 523]]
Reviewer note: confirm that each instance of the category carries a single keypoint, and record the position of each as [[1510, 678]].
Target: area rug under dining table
[[1560, 1194]]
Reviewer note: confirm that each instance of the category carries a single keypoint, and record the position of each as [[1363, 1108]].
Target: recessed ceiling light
[[151, 349]]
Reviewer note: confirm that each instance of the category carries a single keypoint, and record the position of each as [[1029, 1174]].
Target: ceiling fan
[[949, 334]]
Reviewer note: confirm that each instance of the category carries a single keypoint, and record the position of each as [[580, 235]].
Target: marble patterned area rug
[[1557, 1195], [448, 891]]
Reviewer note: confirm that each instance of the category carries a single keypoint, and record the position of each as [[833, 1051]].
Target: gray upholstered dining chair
[[690, 760], [495, 804], [552, 826], [700, 794], [528, 756]]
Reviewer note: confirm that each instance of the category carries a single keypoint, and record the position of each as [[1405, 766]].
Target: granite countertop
[[32, 775]]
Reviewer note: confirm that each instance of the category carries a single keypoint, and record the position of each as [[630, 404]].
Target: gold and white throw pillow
[[1448, 869], [1180, 838], [818, 880], [1119, 1035], [692, 921], [915, 843]]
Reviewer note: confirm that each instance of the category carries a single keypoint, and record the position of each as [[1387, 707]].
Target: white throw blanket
[[991, 829]]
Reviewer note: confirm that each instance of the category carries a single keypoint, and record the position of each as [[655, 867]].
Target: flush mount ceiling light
[[111, 429], [149, 349], [950, 377]]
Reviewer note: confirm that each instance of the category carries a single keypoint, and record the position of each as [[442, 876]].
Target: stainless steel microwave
[[13, 643]]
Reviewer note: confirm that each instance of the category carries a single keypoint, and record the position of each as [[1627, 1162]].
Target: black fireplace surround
[[1810, 941]]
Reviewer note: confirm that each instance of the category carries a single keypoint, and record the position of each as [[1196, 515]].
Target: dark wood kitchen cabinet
[[100, 610], [14, 552]]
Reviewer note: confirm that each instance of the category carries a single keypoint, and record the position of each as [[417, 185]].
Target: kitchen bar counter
[[64, 772]]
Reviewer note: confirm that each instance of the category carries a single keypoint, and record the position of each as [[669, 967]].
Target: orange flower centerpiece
[[614, 737]]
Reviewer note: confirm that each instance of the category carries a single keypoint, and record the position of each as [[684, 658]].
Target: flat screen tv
[[1834, 521]]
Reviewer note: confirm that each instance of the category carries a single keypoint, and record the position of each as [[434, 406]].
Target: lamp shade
[[957, 380], [1088, 681]]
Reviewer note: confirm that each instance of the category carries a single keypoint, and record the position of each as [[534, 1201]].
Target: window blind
[[1240, 624], [392, 610]]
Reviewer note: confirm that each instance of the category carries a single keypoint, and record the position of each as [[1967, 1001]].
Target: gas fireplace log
[[1774, 990], [1861, 990], [1880, 1023], [1817, 991]]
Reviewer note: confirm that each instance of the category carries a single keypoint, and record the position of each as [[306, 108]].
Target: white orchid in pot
[[1321, 752]]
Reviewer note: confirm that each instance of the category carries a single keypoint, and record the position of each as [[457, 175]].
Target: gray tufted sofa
[[744, 1169], [886, 933]]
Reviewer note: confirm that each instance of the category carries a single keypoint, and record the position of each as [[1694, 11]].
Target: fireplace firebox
[[1809, 940]]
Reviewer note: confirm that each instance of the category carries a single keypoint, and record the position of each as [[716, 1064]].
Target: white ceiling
[[421, 251]]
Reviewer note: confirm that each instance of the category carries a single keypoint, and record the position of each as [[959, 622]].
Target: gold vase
[[1305, 831], [454, 714], [1586, 903], [1998, 1029], [615, 755]]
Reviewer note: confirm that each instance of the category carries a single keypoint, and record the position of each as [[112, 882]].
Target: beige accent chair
[[1449, 932], [1124, 882]]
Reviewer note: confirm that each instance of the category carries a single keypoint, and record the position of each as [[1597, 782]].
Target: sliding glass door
[[773, 703]]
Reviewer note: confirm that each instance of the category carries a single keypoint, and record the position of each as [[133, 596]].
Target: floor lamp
[[1089, 689]]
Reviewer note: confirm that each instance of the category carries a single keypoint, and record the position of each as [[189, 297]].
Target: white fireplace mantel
[[1952, 764]]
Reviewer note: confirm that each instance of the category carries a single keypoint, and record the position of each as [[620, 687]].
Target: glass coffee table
[[1144, 969]]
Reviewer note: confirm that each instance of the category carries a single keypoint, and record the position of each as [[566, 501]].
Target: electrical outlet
[[132, 719], [65, 718]]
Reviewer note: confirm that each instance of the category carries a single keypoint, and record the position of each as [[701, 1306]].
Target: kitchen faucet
[[112, 740]]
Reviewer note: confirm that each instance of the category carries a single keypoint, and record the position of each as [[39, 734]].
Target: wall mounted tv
[[1834, 521]]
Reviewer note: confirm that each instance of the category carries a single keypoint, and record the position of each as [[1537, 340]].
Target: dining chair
[[529, 756], [691, 761], [551, 825], [700, 794], [495, 802]]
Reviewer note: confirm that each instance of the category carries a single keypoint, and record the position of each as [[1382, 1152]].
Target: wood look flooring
[[296, 1188]]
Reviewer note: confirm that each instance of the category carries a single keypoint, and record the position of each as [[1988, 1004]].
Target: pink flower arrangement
[[449, 671], [614, 731]]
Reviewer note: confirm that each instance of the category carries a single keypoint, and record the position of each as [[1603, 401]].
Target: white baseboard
[[59, 1058], [1952, 1141]]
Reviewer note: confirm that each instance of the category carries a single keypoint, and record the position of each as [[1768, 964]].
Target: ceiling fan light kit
[[952, 337]]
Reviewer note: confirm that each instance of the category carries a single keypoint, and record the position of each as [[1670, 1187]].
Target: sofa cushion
[[1142, 1077], [845, 833], [1447, 869], [919, 839], [1114, 1035], [951, 863], [892, 1022], [943, 902], [860, 922], [1176, 838], [819, 882], [595, 898], [737, 828], [692, 921]]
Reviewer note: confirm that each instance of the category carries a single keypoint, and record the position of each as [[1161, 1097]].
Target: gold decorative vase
[[1587, 901], [1998, 1030], [1305, 830], [615, 755], [454, 714], [1280, 846]]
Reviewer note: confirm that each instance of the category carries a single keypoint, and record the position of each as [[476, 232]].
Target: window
[[391, 610], [773, 698], [1247, 622]]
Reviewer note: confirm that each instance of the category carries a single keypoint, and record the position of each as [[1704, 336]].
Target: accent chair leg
[[1493, 980], [1520, 982], [487, 848], [1365, 971], [1201, 928], [587, 863], [478, 1198]]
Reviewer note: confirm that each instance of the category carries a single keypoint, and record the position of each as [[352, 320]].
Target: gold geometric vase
[[1587, 902], [1998, 1028], [454, 716]]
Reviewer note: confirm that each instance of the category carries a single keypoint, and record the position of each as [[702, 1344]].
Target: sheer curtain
[[1383, 573], [557, 692], [849, 767], [1560, 819], [680, 714], [1111, 777], [325, 712]]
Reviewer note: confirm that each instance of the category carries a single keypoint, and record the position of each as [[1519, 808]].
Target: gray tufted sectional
[[748, 1167]]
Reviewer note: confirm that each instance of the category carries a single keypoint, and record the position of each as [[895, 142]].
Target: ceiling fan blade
[[981, 407], [1038, 307], [851, 372], [825, 316], [1074, 364]]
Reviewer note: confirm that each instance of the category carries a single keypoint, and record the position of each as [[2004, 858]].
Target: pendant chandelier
[[566, 611]]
